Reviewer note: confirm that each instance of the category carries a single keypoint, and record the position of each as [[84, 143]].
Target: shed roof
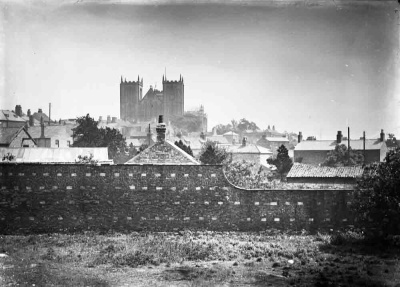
[[306, 170]]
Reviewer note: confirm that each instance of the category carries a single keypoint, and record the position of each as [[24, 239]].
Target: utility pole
[[348, 145]]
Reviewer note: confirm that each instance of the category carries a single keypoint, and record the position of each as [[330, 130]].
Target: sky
[[312, 68]]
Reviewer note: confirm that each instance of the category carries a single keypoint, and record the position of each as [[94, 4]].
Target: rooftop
[[305, 170], [6, 115], [330, 145], [162, 153], [248, 148], [53, 155]]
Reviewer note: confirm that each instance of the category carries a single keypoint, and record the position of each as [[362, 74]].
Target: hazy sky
[[298, 67]]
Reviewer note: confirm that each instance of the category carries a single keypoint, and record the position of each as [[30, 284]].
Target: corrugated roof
[[53, 155], [6, 115], [330, 145], [305, 170]]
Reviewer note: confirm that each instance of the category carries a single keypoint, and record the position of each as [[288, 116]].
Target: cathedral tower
[[131, 93], [173, 98]]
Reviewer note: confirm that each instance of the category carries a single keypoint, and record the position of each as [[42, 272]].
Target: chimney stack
[[49, 113], [161, 129], [149, 136], [300, 137], [40, 111], [18, 110], [29, 112], [114, 120], [108, 119], [100, 119], [339, 137], [382, 136], [202, 136], [41, 127], [30, 120], [244, 141]]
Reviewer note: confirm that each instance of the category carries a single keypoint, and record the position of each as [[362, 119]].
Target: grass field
[[269, 258]]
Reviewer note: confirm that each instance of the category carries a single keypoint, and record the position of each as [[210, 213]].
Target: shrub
[[377, 197]]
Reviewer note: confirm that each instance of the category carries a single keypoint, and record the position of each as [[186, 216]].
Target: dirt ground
[[58, 260]]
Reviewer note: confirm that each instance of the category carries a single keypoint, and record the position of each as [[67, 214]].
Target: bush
[[377, 197], [211, 153]]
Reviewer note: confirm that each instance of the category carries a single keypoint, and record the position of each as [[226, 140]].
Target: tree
[[211, 153], [87, 134], [184, 147], [221, 129], [377, 197], [241, 174], [282, 161], [246, 125], [340, 157]]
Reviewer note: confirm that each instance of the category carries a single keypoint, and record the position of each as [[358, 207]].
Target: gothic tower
[[131, 93], [173, 98]]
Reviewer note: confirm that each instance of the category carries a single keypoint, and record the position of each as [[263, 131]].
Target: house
[[250, 152], [273, 143], [9, 119], [231, 137], [163, 151], [57, 136], [305, 173], [315, 151], [56, 155], [16, 137]]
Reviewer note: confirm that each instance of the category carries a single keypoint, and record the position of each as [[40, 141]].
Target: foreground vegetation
[[269, 258]]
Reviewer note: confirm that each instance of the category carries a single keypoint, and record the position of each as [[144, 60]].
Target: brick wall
[[55, 197]]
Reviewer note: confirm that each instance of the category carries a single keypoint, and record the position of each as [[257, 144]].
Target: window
[[57, 143], [68, 143]]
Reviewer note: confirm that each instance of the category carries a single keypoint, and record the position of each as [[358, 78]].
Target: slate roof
[[38, 116], [162, 153], [6, 115], [7, 135], [54, 132], [306, 170], [330, 145], [248, 148], [56, 155]]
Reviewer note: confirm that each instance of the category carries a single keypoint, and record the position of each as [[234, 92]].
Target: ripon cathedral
[[135, 107]]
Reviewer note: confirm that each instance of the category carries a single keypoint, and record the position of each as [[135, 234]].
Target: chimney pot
[[382, 136], [339, 137], [300, 137]]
